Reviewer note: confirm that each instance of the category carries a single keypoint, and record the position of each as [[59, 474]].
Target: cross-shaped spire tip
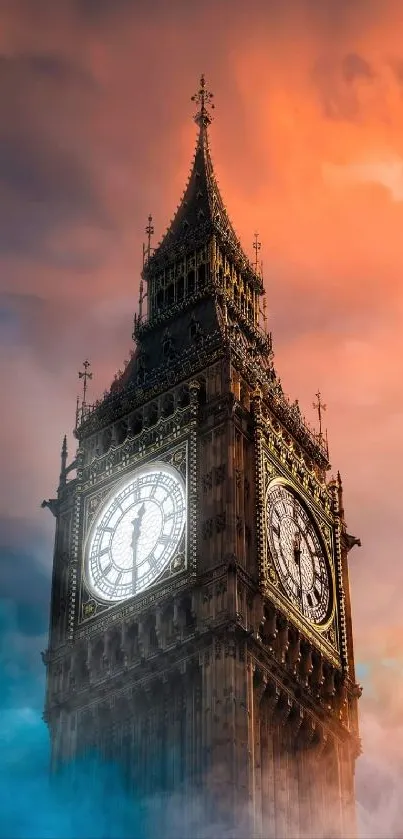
[[256, 247], [147, 249], [85, 375], [203, 98], [319, 407]]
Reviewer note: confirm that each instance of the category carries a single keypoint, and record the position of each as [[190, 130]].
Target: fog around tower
[[95, 803], [307, 146]]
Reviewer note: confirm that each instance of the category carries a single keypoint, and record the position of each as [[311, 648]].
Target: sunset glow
[[307, 143]]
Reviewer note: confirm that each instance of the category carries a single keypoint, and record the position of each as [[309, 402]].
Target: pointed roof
[[202, 209]]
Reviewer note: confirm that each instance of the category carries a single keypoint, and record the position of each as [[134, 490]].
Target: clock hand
[[136, 524], [297, 547], [297, 557]]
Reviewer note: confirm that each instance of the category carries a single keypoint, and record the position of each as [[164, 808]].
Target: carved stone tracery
[[212, 664]]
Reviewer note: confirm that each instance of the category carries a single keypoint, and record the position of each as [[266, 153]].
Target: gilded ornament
[[89, 609]]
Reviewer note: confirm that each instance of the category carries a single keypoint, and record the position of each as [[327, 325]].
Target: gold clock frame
[[322, 627], [94, 497], [147, 466]]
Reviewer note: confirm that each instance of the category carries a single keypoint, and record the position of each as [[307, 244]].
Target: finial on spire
[[264, 314], [64, 453], [147, 248], [141, 296], [85, 375], [256, 247], [339, 485], [262, 311], [319, 406], [146, 256], [203, 98], [63, 458]]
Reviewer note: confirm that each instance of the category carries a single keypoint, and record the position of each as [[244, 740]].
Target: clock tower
[[200, 630]]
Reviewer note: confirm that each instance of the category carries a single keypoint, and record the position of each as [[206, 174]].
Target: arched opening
[[202, 391], [132, 642], [159, 300], [245, 397], [184, 398], [168, 346], [168, 625], [115, 649], [97, 656], [136, 423], [121, 432], [152, 414], [191, 283], [170, 295], [152, 634], [180, 289], [195, 330], [106, 439], [187, 616], [202, 275]]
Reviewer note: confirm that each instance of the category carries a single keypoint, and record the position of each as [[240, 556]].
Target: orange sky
[[307, 144]]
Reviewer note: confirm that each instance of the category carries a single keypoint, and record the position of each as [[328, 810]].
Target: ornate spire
[[201, 211]]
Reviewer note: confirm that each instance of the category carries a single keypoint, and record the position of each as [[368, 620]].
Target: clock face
[[298, 554], [137, 533]]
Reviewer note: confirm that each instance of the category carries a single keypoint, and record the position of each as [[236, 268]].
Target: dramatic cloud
[[44, 183], [95, 133]]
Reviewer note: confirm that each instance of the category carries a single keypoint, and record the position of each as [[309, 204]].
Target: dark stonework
[[211, 686]]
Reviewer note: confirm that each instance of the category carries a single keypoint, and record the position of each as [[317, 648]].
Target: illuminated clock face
[[137, 533], [298, 555]]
